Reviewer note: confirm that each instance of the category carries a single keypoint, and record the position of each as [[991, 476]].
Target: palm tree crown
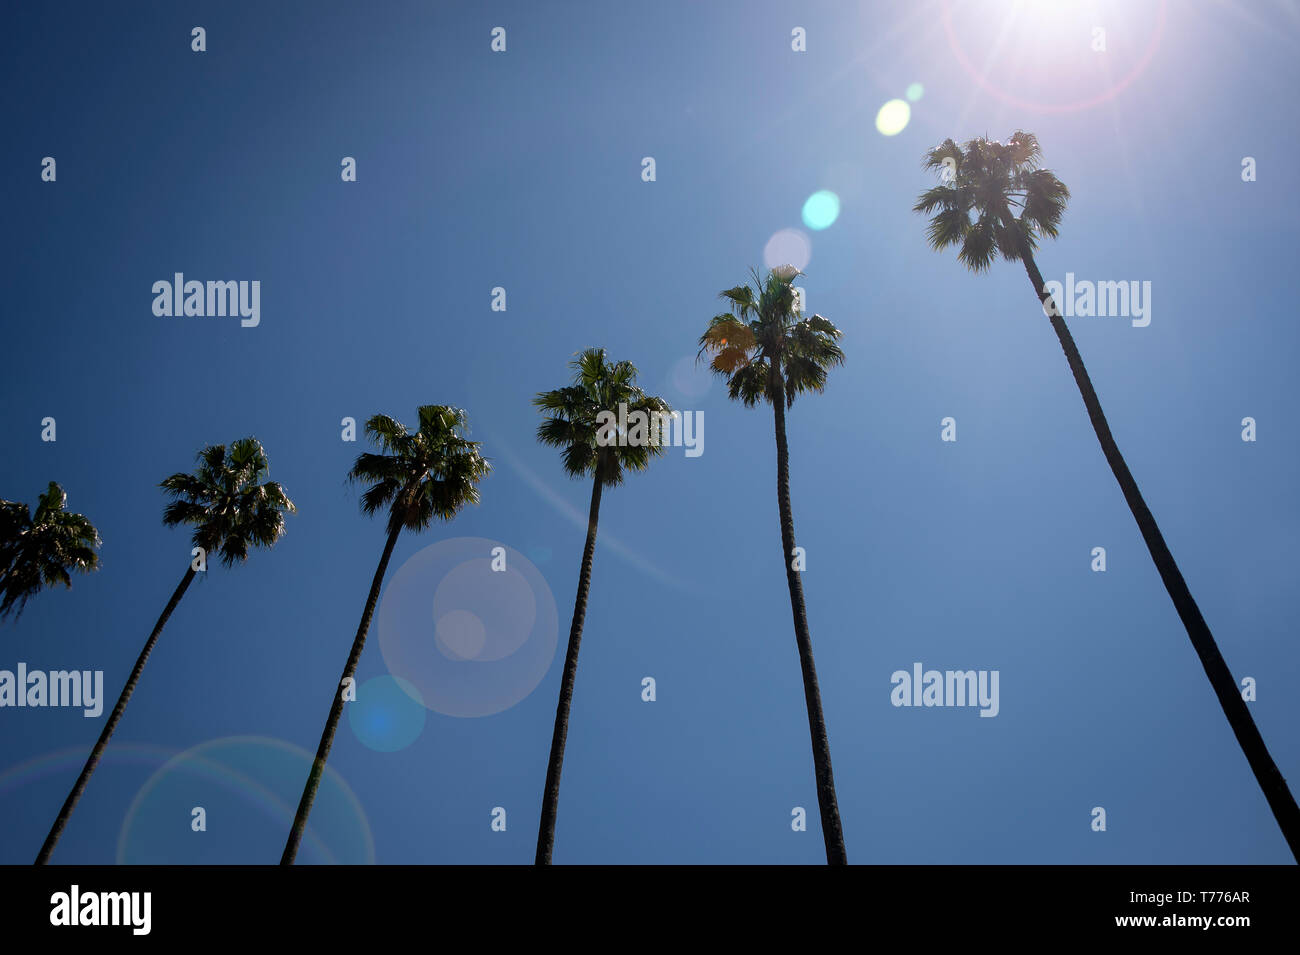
[[420, 475], [574, 423], [982, 181], [766, 332], [227, 501], [39, 550]]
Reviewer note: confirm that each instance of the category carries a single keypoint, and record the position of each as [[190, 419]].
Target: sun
[[1053, 56]]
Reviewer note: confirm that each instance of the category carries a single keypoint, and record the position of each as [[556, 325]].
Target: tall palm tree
[[768, 351], [432, 472], [40, 550], [578, 422], [231, 507], [972, 210]]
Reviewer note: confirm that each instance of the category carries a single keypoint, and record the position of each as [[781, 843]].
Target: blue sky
[[522, 170]]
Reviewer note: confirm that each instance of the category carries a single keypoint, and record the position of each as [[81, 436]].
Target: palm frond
[[42, 548], [974, 210], [579, 419], [778, 336]]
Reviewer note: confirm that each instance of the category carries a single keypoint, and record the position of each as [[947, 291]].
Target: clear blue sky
[[522, 169]]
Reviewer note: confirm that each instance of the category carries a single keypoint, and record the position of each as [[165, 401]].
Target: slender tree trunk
[[1225, 687], [821, 747], [551, 795], [111, 724], [336, 706]]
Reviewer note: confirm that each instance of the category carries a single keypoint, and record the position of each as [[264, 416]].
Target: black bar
[[339, 905]]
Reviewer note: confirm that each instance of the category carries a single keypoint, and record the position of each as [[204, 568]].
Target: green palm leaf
[[227, 501], [42, 549], [571, 413]]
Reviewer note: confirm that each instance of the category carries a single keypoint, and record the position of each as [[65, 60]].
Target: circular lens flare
[[470, 624], [789, 246], [388, 714], [821, 210], [893, 117], [690, 378], [248, 789]]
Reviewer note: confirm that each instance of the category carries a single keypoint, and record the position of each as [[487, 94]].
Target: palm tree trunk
[[826, 801], [551, 795], [111, 724], [1243, 726], [336, 706]]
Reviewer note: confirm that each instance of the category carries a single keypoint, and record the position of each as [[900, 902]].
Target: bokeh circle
[[387, 715], [470, 625], [788, 247], [248, 788]]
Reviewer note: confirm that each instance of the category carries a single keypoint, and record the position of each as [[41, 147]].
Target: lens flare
[[789, 246], [490, 628], [68, 762], [387, 715], [470, 624], [690, 378], [978, 74], [245, 785], [821, 210], [893, 117], [915, 92]]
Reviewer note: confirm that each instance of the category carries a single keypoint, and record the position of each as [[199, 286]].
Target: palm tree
[[39, 550], [768, 351], [232, 508], [431, 472], [972, 209], [581, 420]]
